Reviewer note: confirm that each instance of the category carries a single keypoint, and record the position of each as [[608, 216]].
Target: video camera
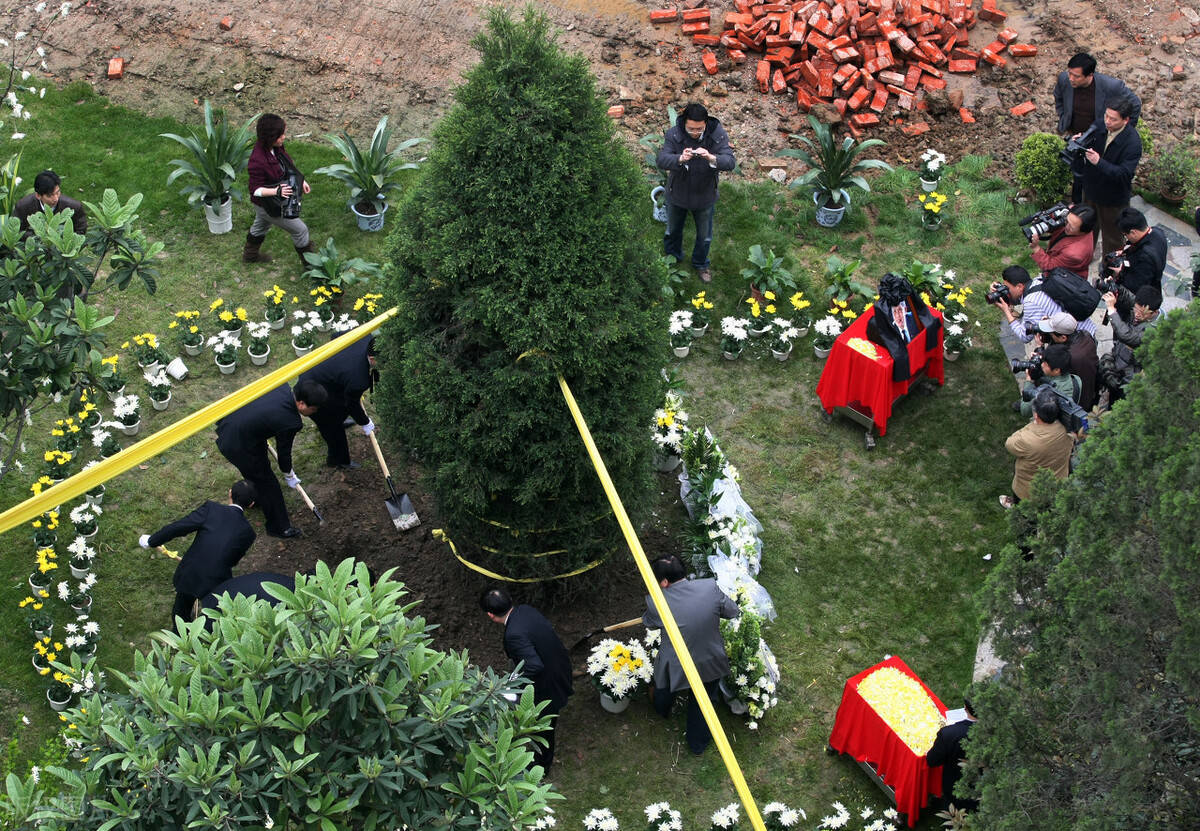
[[1043, 222], [1075, 148], [1070, 414]]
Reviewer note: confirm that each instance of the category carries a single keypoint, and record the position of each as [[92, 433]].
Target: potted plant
[[932, 163], [652, 143], [45, 562], [104, 441], [77, 595], [681, 332], [328, 268], [86, 519], [44, 649], [759, 324], [83, 635], [56, 464], [841, 285], [89, 415], [82, 555], [127, 410], [670, 426], [733, 336], [66, 434], [767, 274], [258, 345], [59, 693], [371, 176], [45, 529], [800, 312], [617, 670], [782, 335], [217, 158], [231, 320], [342, 323], [367, 306], [147, 350], [190, 336], [225, 345], [825, 332], [931, 209], [41, 624], [275, 312], [833, 169], [1039, 169], [1172, 172], [302, 331], [158, 386], [701, 314], [110, 378], [324, 298]]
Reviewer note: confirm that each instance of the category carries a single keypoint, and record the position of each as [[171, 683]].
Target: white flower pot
[[821, 353], [928, 185], [130, 429], [698, 331], [152, 367], [226, 369], [782, 356], [220, 218], [369, 222], [730, 356], [79, 573], [803, 330], [301, 351], [758, 333], [952, 356], [83, 607], [192, 349], [89, 534], [177, 369], [113, 396], [277, 324], [57, 706], [160, 405], [260, 360], [613, 705], [36, 588], [666, 462], [95, 498], [681, 351]]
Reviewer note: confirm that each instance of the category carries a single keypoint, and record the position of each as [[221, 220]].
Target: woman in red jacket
[[273, 181]]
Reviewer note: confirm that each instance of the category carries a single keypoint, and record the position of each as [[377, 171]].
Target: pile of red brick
[[856, 55]]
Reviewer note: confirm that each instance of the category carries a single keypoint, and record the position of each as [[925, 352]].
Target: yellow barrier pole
[[685, 658], [186, 427]]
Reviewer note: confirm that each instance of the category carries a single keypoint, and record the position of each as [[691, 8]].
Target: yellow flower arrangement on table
[[903, 704]]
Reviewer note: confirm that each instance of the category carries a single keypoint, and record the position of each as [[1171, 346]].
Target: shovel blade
[[402, 512]]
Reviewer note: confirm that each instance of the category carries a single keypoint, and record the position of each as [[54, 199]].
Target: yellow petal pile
[[903, 703]]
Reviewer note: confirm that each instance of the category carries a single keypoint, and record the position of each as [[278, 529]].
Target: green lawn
[[866, 553]]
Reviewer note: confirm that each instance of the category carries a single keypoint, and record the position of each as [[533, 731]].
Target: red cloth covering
[[852, 379], [861, 732]]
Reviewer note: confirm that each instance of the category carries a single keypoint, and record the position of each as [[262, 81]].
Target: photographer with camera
[[1144, 256], [1071, 245], [1042, 444], [1048, 366], [276, 185], [1131, 315], [1107, 169], [1081, 95], [1018, 288], [1063, 329]]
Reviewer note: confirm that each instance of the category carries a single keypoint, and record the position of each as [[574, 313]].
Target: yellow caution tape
[[516, 532], [441, 536], [186, 427], [660, 603]]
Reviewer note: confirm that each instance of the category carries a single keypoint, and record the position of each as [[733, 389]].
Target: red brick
[[915, 129], [864, 119], [763, 75], [994, 59], [966, 116], [859, 98], [803, 99], [116, 68], [894, 78], [694, 15], [929, 82], [616, 112], [997, 46], [706, 40], [698, 28], [735, 18], [905, 100], [737, 56], [664, 15], [929, 69], [1022, 50], [912, 77], [879, 101], [1023, 109], [1007, 35], [962, 53], [962, 66], [710, 61], [778, 84], [226, 24], [992, 15]]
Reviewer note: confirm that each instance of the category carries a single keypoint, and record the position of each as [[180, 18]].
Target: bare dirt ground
[[331, 65]]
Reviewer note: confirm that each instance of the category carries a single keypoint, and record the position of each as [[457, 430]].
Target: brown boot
[[300, 252], [251, 252]]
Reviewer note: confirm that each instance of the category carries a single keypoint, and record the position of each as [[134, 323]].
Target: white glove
[[144, 540], [291, 479], [368, 428]]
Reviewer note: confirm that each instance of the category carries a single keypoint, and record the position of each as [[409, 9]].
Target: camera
[[1032, 364], [999, 293], [1070, 414], [1075, 148], [1045, 221], [1112, 263], [1107, 285]]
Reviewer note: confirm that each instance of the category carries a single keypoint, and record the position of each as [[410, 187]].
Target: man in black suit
[[345, 377], [222, 537], [530, 639], [1107, 169], [1145, 252], [947, 752], [242, 439]]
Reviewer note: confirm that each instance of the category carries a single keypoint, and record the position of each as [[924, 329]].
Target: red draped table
[[862, 733], [857, 378]]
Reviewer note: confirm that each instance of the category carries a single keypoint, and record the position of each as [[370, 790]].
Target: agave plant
[[217, 158], [370, 175], [833, 166]]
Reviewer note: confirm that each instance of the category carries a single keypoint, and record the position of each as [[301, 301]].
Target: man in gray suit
[[697, 606], [1081, 94]]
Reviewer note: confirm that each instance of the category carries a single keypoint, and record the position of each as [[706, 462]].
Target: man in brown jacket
[[1043, 443]]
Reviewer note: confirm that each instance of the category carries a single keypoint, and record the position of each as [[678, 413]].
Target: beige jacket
[[1038, 446]]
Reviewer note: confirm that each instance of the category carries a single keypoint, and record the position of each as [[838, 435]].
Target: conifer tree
[[517, 256], [1094, 721]]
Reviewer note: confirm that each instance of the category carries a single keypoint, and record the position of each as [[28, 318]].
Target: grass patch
[[866, 554]]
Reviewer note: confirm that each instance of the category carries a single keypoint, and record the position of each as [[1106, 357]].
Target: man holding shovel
[[345, 377]]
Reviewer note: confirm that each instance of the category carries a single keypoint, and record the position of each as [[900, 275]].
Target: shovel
[[625, 624], [400, 508], [303, 495]]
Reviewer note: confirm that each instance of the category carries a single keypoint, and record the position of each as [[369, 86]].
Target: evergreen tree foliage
[[328, 711], [1094, 723], [516, 256]]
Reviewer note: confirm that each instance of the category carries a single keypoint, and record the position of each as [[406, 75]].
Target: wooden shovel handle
[[299, 488], [379, 455]]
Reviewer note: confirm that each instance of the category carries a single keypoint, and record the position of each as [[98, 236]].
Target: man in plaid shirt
[[1035, 304]]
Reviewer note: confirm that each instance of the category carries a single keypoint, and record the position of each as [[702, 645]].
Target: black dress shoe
[[347, 466], [287, 534]]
